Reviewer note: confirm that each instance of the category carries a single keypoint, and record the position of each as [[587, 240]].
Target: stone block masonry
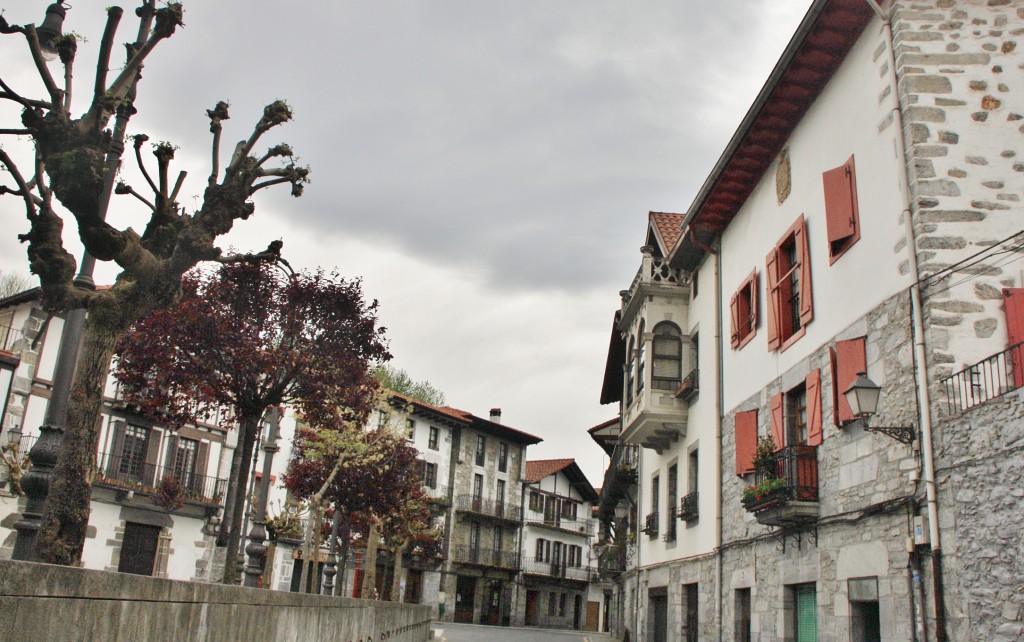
[[44, 602], [959, 65]]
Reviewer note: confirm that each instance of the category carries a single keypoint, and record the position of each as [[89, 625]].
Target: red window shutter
[[753, 301], [778, 418], [814, 425], [851, 358], [746, 441], [835, 385], [1013, 301], [840, 202], [772, 322], [806, 292], [734, 315]]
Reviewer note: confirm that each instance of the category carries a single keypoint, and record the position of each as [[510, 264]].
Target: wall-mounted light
[[863, 395]]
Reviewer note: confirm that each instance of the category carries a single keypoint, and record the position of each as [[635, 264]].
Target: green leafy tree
[[399, 381]]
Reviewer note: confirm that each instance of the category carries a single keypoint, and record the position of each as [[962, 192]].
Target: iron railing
[[437, 493], [689, 507], [621, 474], [561, 569], [690, 384], [124, 473], [651, 525], [986, 380], [8, 337], [488, 507], [581, 526], [796, 468], [485, 557], [611, 560]]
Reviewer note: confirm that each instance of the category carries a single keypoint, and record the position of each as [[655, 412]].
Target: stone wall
[[865, 493], [979, 467], [42, 602], [959, 63]]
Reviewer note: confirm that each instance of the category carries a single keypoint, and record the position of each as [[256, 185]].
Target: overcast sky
[[486, 167]]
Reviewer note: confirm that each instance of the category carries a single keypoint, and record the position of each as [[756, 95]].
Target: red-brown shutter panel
[[734, 315], [746, 441], [753, 301], [772, 323], [1013, 300], [804, 252], [840, 202], [812, 384], [851, 358], [778, 420]]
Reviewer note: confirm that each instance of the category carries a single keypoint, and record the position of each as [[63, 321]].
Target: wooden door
[[138, 549], [593, 616]]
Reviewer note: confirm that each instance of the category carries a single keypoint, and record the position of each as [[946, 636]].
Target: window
[[796, 414], [536, 502], [743, 631], [432, 440], [382, 418], [551, 604], [474, 535], [410, 428], [693, 470], [481, 445], [848, 358], [503, 457], [499, 495], [743, 312], [865, 623], [630, 364], [668, 357], [841, 216], [670, 499], [478, 491], [746, 441], [562, 604], [790, 305], [641, 359], [690, 625], [569, 509], [497, 538], [539, 552], [184, 466], [132, 461], [802, 607], [430, 475]]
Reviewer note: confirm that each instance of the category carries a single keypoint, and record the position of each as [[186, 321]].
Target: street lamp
[[256, 548], [862, 395], [51, 30]]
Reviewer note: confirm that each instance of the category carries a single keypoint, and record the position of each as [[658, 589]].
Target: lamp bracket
[[902, 434]]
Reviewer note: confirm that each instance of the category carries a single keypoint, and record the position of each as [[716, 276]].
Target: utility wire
[[925, 281]]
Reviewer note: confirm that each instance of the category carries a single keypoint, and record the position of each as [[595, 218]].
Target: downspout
[[920, 352], [719, 409]]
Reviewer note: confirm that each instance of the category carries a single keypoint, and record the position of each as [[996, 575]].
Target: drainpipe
[[719, 409], [920, 352]]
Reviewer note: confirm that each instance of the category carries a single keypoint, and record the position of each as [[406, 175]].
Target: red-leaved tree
[[376, 478], [246, 337]]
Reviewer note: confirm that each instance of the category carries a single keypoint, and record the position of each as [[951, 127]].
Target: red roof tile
[[667, 228], [539, 469]]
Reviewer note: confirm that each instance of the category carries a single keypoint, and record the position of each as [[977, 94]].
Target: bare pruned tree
[[71, 181]]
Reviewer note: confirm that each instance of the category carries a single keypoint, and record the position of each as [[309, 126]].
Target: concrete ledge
[[45, 602]]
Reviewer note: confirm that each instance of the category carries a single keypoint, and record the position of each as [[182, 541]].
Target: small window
[[430, 475], [410, 428], [668, 357], [796, 415], [432, 440], [503, 457], [562, 604], [539, 552], [744, 632], [841, 216], [743, 312], [641, 359], [478, 487], [790, 304], [536, 503], [630, 365], [865, 620], [481, 446], [382, 419]]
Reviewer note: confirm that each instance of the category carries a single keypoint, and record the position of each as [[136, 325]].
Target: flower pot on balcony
[[761, 501]]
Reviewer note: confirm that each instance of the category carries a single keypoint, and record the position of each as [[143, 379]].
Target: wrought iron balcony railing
[[536, 566], [986, 380], [126, 473], [651, 525], [689, 507], [612, 559], [581, 526], [789, 475], [690, 385], [437, 493], [621, 474], [485, 557], [488, 507]]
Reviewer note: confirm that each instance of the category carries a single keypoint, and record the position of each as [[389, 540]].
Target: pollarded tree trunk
[[66, 513], [396, 581], [370, 574], [248, 426]]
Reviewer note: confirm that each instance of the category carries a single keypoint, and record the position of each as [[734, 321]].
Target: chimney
[[496, 415]]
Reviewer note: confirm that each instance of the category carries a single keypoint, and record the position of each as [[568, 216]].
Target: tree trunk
[[66, 511], [396, 581], [248, 425], [344, 535], [370, 574]]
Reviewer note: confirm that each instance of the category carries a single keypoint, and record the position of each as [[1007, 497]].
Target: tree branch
[[106, 45], [217, 114], [177, 185], [274, 114], [139, 140], [56, 99], [15, 132], [124, 188], [69, 64], [23, 189], [276, 181]]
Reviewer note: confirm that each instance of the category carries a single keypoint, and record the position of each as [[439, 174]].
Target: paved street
[[447, 632]]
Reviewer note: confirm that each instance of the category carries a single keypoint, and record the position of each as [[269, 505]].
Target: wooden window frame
[[789, 288], [743, 312], [668, 332], [433, 438]]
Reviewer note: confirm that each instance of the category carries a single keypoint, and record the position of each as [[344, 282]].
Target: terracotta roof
[[495, 428], [821, 42], [540, 468], [667, 228], [441, 410], [603, 424]]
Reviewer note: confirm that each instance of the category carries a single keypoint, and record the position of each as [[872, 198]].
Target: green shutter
[[806, 614]]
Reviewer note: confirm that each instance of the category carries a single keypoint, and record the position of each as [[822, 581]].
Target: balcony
[[785, 491], [561, 570], [689, 507], [651, 525], [690, 386], [485, 557], [986, 380], [577, 526], [437, 494], [611, 560], [129, 475], [487, 508]]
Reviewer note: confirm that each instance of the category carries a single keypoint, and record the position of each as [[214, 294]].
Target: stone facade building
[[879, 174]]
